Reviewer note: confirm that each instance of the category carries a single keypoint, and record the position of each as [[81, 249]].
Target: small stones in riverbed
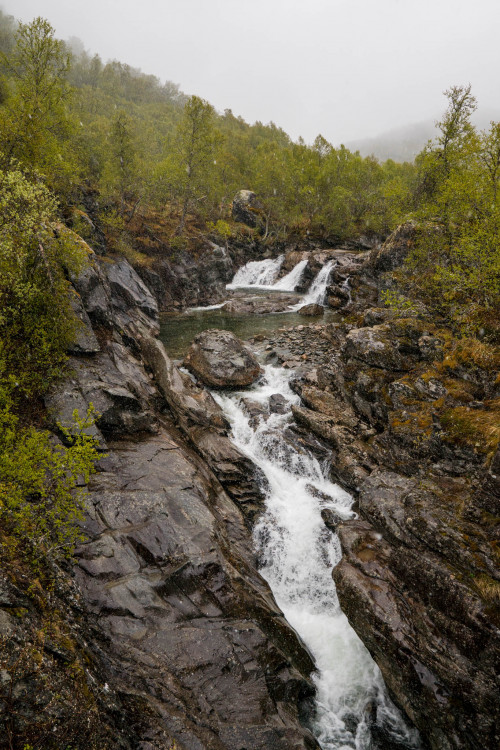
[[299, 346]]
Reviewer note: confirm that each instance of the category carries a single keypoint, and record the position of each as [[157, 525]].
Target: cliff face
[[184, 644]]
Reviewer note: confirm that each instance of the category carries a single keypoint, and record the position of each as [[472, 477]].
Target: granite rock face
[[111, 297], [185, 281]]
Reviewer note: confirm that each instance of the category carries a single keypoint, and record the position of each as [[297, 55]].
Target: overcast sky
[[347, 69]]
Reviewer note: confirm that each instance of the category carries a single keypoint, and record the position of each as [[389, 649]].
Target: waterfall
[[297, 554], [347, 287], [317, 291], [257, 273], [291, 280], [263, 273]]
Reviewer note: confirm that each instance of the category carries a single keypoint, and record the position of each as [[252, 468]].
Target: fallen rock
[[246, 208], [255, 410], [331, 519], [278, 404], [375, 347], [220, 360], [260, 304]]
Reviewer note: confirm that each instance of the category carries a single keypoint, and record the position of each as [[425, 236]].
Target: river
[[297, 552]]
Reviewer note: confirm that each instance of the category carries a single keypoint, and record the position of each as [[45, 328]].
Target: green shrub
[[40, 497], [36, 320]]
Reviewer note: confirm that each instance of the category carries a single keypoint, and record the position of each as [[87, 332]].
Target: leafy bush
[[36, 321], [398, 303], [454, 267], [40, 497]]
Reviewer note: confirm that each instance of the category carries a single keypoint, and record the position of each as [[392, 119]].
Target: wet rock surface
[[193, 630], [185, 642], [220, 360], [185, 638], [419, 579], [179, 280], [312, 310], [259, 304]]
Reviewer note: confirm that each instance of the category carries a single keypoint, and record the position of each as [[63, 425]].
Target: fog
[[348, 69]]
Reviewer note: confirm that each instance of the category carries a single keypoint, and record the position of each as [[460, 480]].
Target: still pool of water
[[178, 330]]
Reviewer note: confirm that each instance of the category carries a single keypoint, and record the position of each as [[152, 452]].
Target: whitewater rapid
[[297, 554]]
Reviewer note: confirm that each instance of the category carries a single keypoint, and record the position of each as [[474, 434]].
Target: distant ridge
[[404, 143]]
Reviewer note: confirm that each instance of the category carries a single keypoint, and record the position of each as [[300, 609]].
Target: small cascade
[[257, 273], [317, 291], [347, 287], [297, 553], [289, 282]]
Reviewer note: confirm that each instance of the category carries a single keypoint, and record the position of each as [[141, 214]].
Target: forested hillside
[[114, 144], [89, 125]]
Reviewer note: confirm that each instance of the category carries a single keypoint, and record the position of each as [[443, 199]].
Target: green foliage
[[36, 321], [189, 167], [40, 502], [139, 140], [34, 122], [455, 266], [401, 305], [121, 174]]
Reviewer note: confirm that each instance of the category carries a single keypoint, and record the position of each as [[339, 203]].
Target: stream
[[297, 552]]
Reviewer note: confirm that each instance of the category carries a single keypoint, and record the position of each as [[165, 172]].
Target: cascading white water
[[297, 554], [289, 282], [347, 287], [317, 290], [257, 273], [262, 275]]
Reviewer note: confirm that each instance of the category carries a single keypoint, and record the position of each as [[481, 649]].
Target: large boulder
[[246, 208], [259, 304], [220, 360]]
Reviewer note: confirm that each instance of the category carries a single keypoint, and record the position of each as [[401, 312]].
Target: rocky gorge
[[180, 639]]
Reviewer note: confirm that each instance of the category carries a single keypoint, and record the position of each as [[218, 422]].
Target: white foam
[[317, 291], [257, 273], [207, 307], [297, 554]]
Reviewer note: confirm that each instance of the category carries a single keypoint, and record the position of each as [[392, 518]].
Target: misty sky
[[345, 68]]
